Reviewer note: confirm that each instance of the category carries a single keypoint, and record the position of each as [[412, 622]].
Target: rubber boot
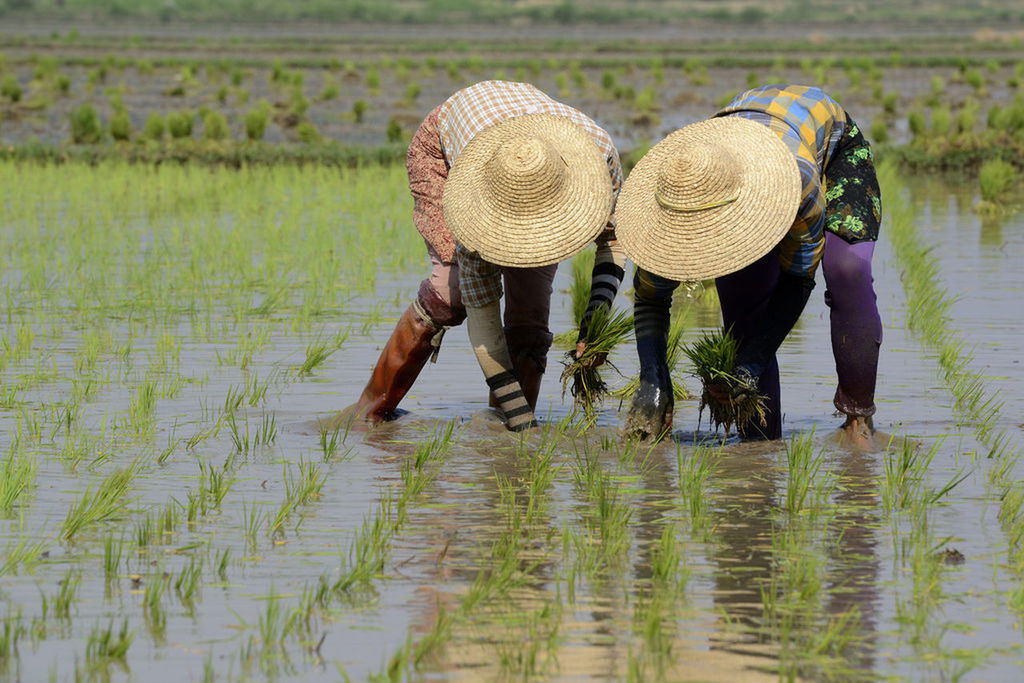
[[400, 363]]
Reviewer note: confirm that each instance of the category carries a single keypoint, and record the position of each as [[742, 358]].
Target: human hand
[[596, 360], [739, 388]]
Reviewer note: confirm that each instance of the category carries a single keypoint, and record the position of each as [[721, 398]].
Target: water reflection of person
[[507, 182], [747, 517], [723, 198]]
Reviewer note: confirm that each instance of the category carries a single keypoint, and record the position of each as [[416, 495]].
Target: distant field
[[165, 90]]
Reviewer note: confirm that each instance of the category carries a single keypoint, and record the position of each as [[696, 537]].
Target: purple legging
[[856, 325]]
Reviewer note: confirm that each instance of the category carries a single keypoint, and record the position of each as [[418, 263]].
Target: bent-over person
[[506, 183], [805, 170]]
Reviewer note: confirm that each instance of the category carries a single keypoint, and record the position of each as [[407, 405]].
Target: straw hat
[[528, 191], [709, 199]]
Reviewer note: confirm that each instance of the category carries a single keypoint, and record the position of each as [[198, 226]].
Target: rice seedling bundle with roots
[[714, 361], [581, 376]]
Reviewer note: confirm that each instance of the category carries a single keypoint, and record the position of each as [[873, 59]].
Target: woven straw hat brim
[[709, 243], [542, 227]]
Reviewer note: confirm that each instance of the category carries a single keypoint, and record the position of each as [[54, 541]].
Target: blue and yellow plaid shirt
[[811, 124]]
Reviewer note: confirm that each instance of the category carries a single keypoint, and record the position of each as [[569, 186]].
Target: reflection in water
[[755, 538]]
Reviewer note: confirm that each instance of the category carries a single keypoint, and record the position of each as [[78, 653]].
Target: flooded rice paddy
[[173, 507]]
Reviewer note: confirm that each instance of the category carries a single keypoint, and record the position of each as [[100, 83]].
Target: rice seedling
[[99, 504], [694, 473], [252, 521], [298, 492], [112, 551], [106, 646], [318, 351], [17, 477], [187, 582], [802, 473], [714, 357], [66, 595], [605, 330], [152, 607]]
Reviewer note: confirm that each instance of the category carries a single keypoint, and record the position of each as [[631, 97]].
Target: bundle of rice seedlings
[[581, 376], [675, 349], [714, 359]]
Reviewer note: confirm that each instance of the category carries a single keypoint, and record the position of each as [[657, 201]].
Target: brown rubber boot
[[400, 363]]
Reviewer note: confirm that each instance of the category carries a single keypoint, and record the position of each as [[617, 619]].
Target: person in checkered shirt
[[461, 278]]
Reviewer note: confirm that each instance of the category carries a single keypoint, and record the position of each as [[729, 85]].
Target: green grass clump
[[154, 127], [179, 124], [121, 126], [256, 122], [714, 359], [10, 88], [215, 126], [995, 178], [86, 128], [606, 330], [359, 108]]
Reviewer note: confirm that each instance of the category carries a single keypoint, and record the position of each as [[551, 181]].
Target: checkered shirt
[[479, 106], [811, 124]]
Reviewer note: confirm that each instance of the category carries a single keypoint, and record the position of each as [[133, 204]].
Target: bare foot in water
[[859, 434]]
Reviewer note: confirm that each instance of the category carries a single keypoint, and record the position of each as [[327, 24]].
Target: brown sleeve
[[428, 171]]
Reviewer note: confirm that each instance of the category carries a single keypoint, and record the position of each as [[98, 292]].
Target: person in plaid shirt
[[461, 279], [836, 224]]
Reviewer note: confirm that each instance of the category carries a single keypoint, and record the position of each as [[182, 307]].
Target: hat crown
[[524, 173], [698, 177]]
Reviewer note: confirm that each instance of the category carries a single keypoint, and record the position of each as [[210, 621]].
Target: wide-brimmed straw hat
[[709, 199], [528, 191]]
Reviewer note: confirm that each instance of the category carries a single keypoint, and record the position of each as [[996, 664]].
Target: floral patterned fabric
[[853, 203]]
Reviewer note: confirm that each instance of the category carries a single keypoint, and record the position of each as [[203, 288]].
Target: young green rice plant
[[320, 350], [223, 560], [332, 437], [17, 476], [86, 128], [299, 491], [112, 551], [152, 606], [266, 431], [99, 504], [142, 407], [359, 108], [605, 330], [147, 532], [187, 583], [66, 595], [10, 634], [252, 520], [803, 471], [695, 471], [995, 178], [215, 126], [106, 646], [26, 552], [714, 359], [371, 546]]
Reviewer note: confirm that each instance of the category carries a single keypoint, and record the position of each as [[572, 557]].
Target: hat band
[[668, 204]]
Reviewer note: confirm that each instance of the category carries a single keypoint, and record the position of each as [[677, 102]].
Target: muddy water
[[555, 617]]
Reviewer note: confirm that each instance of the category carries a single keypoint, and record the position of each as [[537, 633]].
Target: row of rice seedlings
[[928, 315], [904, 494], [200, 254]]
